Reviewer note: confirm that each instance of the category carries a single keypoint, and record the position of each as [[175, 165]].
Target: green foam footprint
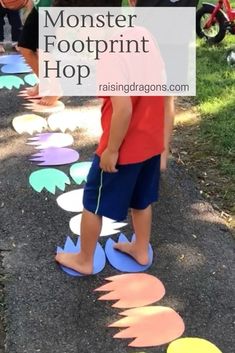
[[79, 171], [49, 179], [10, 81], [31, 79]]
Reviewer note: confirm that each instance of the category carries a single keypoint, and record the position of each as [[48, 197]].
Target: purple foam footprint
[[36, 155], [70, 247], [124, 262], [55, 156], [40, 137]]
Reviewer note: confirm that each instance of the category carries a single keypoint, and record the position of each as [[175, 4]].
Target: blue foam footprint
[[70, 247], [11, 59], [124, 262], [16, 68]]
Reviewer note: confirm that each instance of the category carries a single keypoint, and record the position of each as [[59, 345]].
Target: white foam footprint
[[109, 226], [63, 121], [71, 201], [29, 123]]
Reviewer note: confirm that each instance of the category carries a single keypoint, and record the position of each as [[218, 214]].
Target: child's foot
[[15, 47], [75, 262], [33, 91], [2, 50], [131, 249], [48, 100]]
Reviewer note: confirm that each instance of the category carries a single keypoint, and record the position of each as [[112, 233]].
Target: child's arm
[[122, 111], [169, 115]]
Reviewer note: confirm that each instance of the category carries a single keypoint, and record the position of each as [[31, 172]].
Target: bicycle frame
[[225, 7], [229, 10]]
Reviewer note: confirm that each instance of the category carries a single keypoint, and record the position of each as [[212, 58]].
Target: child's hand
[[108, 161], [164, 160]]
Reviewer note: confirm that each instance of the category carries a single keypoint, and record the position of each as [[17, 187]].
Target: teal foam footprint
[[10, 81], [49, 179], [79, 171], [31, 79]]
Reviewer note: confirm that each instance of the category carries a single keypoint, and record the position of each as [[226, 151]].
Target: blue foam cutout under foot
[[70, 247], [124, 262]]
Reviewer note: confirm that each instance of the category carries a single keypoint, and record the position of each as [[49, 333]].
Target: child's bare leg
[[31, 58], [138, 249], [164, 160], [83, 261], [2, 50]]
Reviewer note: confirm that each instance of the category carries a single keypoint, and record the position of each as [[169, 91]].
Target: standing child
[[124, 174], [13, 17]]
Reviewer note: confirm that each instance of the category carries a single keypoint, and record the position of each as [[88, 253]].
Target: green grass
[[215, 101]]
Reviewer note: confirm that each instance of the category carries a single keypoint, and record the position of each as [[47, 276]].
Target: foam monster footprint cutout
[[16, 68], [79, 171], [10, 81], [55, 156], [46, 109], [192, 345], [124, 262], [11, 59], [29, 123], [50, 139], [24, 94], [70, 247], [132, 290], [49, 179], [150, 326], [63, 121], [31, 79], [71, 201], [109, 226]]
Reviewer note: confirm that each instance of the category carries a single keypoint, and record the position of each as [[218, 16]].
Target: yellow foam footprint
[[29, 123], [192, 345]]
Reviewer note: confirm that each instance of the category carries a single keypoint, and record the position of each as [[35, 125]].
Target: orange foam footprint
[[132, 290], [150, 326], [25, 95], [47, 109]]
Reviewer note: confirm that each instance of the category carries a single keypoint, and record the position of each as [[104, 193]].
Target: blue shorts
[[111, 194]]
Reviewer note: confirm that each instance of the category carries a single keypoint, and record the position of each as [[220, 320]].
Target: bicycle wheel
[[217, 30]]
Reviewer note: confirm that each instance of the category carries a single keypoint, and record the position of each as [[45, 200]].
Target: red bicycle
[[214, 20]]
